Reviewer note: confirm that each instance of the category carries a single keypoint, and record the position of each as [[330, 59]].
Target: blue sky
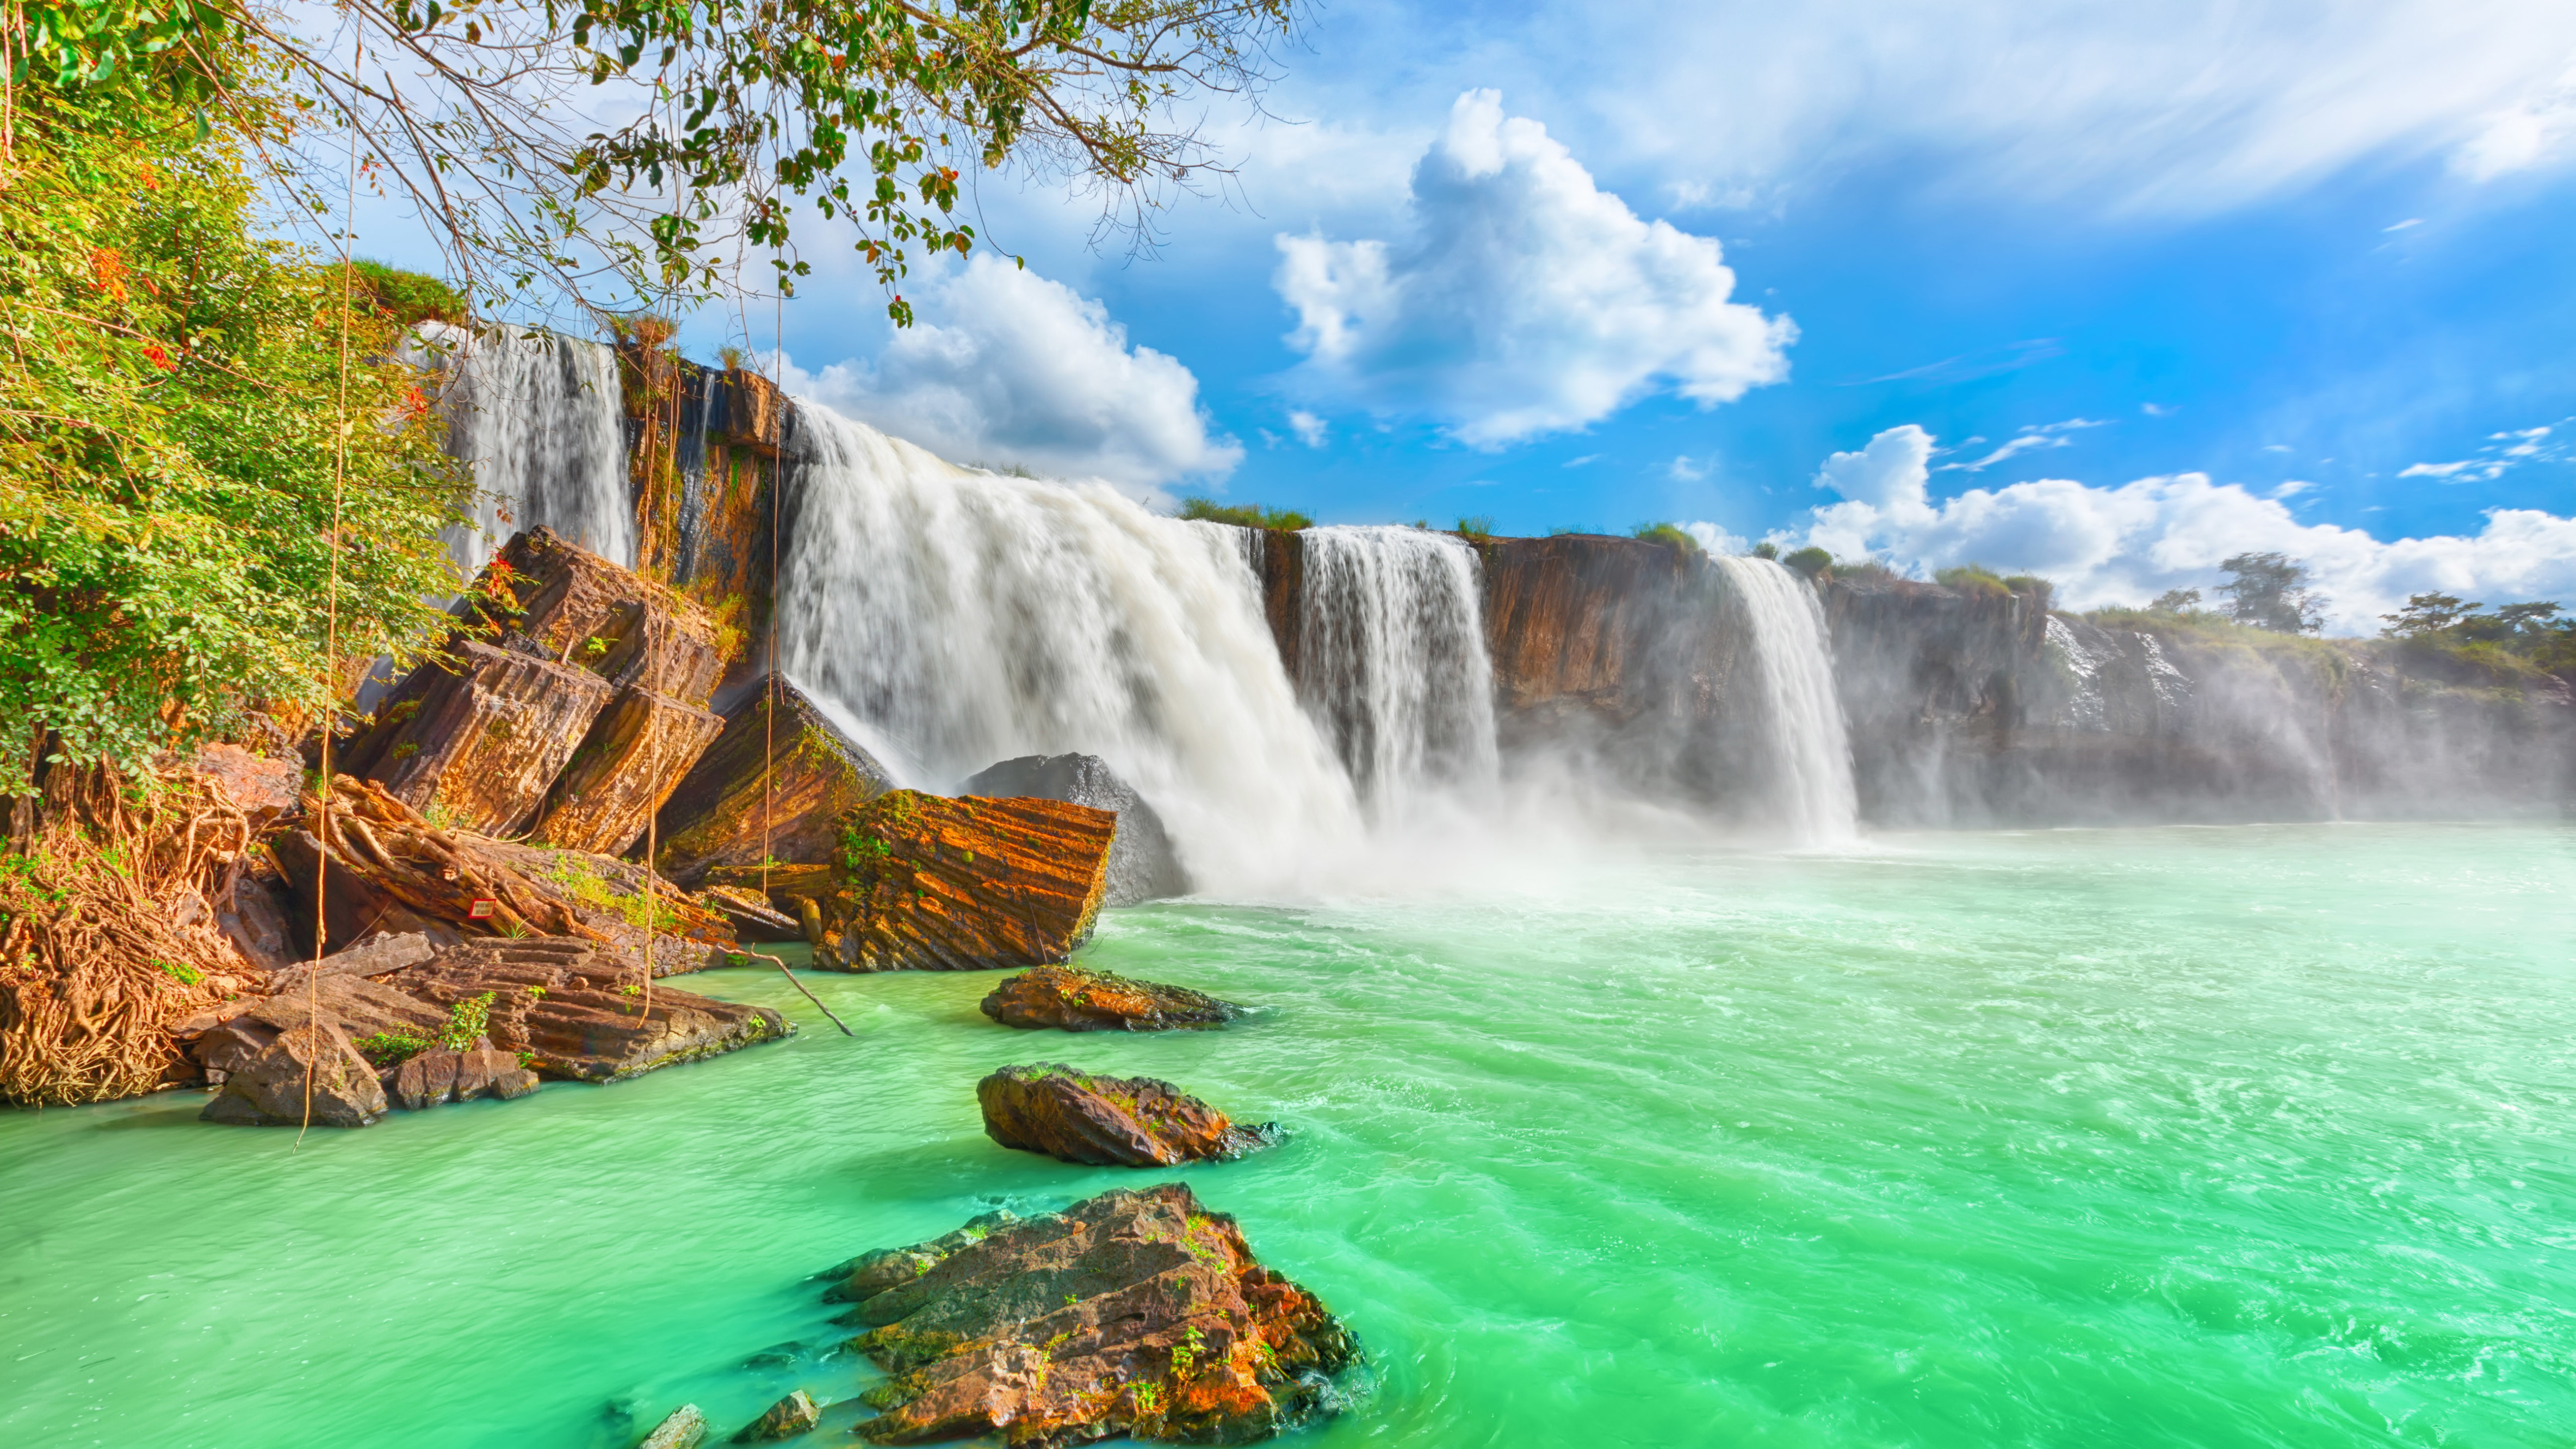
[[2106, 291]]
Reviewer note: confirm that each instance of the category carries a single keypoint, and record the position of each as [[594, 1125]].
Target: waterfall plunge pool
[[2243, 1136]]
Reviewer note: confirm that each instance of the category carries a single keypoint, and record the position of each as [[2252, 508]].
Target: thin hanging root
[[111, 911]]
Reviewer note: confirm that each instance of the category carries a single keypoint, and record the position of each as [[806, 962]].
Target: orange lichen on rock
[[926, 883], [1134, 1313]]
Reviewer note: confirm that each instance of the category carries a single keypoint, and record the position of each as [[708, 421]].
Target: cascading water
[[1392, 662], [536, 418], [963, 618], [1812, 797]]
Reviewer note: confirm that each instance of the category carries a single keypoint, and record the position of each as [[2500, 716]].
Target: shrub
[[1810, 561], [1244, 515], [1668, 535], [409, 298]]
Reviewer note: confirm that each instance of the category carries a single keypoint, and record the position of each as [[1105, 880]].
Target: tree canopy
[[2268, 591]]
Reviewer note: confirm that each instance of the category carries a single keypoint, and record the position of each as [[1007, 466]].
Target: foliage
[[390, 1048], [169, 408], [2268, 591], [2445, 635], [408, 298], [730, 114], [1978, 579], [467, 1020], [1478, 528], [1244, 515], [1767, 549], [1668, 535], [1810, 561], [2176, 601]]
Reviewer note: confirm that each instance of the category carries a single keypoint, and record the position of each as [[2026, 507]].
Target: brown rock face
[[1070, 999], [577, 1012], [796, 1414], [357, 1007], [576, 607], [1108, 1121], [434, 1078], [926, 883], [630, 762], [481, 739], [264, 788], [714, 818], [1136, 1313], [271, 1090]]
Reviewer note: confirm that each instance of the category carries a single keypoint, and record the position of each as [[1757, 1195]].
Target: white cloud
[[1524, 300], [2276, 447], [2126, 544], [2183, 107], [1683, 470], [1006, 367], [1715, 539], [2502, 451], [2158, 410], [2043, 435], [1308, 428], [2401, 226]]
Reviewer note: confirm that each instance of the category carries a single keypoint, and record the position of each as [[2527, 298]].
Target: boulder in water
[[1142, 863], [1108, 1121], [307, 1066], [1071, 999], [433, 1078], [715, 819], [686, 1428], [796, 1414], [927, 883], [576, 1011], [1137, 1313]]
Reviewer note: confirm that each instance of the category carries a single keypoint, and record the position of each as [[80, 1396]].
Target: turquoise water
[[2253, 1136]]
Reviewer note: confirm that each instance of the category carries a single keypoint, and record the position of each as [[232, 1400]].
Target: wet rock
[[433, 1078], [305, 1064], [723, 813], [1142, 864], [796, 1414], [926, 883], [685, 1429], [1071, 999], [359, 1008], [1132, 1313], [1108, 1121], [577, 1011]]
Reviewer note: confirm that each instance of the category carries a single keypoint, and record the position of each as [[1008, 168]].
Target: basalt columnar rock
[[1142, 864], [1134, 1313], [559, 658], [576, 1012], [1108, 1121], [725, 813], [1071, 999], [927, 883]]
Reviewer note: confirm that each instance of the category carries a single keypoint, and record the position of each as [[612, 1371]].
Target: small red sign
[[482, 909]]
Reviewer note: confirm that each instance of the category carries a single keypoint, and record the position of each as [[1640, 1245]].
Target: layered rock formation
[[1108, 1121], [575, 1012], [729, 809], [1142, 864], [926, 883], [1070, 999], [1137, 1313]]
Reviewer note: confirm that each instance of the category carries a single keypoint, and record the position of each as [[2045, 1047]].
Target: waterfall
[[1793, 676], [963, 618], [1392, 662], [536, 417]]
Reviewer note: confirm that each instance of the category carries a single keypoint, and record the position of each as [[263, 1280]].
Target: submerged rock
[[926, 883], [309, 1066], [1132, 1313], [685, 1429], [796, 1414], [1071, 999], [1108, 1121], [1142, 864], [576, 1011]]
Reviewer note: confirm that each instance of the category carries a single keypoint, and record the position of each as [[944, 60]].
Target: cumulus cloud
[[2126, 544], [1524, 299], [1005, 367]]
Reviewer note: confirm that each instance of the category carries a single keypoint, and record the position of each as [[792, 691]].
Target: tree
[[2268, 591], [172, 448], [2527, 618], [737, 114], [2176, 601], [2427, 614]]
